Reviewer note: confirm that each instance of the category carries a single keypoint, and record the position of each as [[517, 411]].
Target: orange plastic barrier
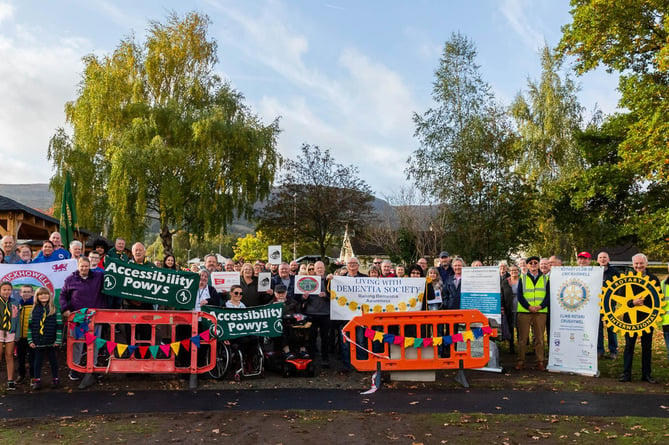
[[131, 342], [422, 340]]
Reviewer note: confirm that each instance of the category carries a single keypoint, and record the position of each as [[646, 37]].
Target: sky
[[346, 75]]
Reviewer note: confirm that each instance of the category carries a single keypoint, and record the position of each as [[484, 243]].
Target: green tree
[[156, 134], [251, 247], [632, 37], [315, 199], [466, 160]]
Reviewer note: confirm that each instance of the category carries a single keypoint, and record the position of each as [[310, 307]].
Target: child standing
[[9, 320], [23, 351], [45, 334]]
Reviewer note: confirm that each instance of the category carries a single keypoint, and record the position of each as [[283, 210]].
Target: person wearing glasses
[[235, 301], [533, 297]]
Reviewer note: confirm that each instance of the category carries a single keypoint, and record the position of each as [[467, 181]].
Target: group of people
[[32, 324]]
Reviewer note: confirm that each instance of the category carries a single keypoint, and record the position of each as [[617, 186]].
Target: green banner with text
[[164, 287], [264, 321]]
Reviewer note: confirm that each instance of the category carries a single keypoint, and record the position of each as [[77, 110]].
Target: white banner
[[574, 312], [50, 275], [223, 281], [351, 296]]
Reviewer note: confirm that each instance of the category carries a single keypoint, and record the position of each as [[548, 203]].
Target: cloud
[[516, 13], [6, 11], [39, 76]]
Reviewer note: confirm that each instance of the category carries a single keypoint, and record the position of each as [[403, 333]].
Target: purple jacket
[[78, 293]]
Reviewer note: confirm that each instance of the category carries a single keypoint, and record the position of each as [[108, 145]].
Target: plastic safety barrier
[[420, 340], [129, 341]]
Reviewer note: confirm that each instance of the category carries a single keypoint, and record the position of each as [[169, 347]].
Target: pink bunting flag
[[427, 342], [369, 333], [205, 335], [165, 349], [90, 338], [487, 329], [399, 340], [457, 337], [111, 346]]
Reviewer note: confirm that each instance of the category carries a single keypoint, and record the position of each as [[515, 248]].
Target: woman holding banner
[[249, 283]]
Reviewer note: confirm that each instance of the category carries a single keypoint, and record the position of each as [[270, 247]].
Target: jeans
[[666, 341], [613, 339]]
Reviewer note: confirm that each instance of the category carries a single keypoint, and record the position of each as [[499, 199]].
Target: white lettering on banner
[[249, 326], [153, 275], [246, 315]]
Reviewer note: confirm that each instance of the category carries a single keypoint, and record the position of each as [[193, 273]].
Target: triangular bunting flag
[[186, 344], [478, 332], [427, 342], [154, 350], [487, 330], [467, 336], [131, 349], [90, 338], [369, 333], [143, 350], [457, 337], [111, 346], [165, 349], [100, 342], [408, 342], [196, 341], [417, 343], [120, 348], [448, 340], [437, 341], [175, 347], [399, 340], [378, 336], [205, 335], [388, 338]]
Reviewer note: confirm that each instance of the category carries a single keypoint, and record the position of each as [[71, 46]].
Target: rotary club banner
[[574, 312], [351, 296]]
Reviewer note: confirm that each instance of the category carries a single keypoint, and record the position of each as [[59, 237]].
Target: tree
[[251, 247], [315, 199], [466, 160], [632, 38], [156, 134]]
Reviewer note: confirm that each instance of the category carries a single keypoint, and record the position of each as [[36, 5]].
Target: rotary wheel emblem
[[618, 310]]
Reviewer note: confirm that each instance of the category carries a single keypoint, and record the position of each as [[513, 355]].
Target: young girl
[[9, 322], [45, 334], [235, 301]]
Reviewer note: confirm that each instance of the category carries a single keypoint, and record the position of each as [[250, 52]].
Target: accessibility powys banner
[[264, 321], [164, 287], [574, 312], [351, 296], [50, 275]]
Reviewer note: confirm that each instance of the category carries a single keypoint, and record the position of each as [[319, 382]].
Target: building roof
[[9, 205]]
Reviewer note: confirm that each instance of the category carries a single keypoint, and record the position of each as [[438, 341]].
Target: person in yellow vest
[[533, 297], [665, 317]]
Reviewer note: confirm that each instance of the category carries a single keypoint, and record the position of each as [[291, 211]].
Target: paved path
[[58, 403]]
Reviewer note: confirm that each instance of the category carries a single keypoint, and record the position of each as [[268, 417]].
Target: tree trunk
[[166, 239]]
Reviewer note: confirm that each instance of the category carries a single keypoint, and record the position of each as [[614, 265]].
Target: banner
[[50, 275], [223, 281], [164, 287], [351, 296], [574, 312], [480, 289], [68, 214], [307, 284], [264, 321]]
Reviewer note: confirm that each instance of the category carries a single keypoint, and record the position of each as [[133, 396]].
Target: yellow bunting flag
[[408, 342], [468, 335], [378, 336], [437, 341], [121, 348], [175, 347]]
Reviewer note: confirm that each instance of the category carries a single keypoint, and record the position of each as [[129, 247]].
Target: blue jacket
[[450, 293]]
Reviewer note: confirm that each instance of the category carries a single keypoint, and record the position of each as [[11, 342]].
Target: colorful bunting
[[418, 342], [100, 342], [154, 350], [143, 350], [205, 335], [467, 336], [196, 341], [408, 342], [456, 337], [369, 333], [90, 338], [165, 349], [437, 341], [186, 344], [427, 342], [121, 348], [111, 346], [378, 336], [175, 347], [399, 340]]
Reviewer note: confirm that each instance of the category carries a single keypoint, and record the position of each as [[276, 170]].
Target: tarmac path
[[57, 404]]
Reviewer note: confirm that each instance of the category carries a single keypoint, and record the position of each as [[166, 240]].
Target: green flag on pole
[[68, 214]]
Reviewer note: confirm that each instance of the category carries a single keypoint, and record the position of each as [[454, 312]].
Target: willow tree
[[158, 135]]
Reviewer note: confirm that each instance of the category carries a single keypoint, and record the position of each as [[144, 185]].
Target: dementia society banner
[[352, 296], [574, 319], [264, 321], [164, 287]]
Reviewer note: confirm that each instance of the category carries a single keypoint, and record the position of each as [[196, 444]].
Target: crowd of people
[[29, 321]]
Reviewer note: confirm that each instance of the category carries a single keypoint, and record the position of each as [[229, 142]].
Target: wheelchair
[[244, 356]]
